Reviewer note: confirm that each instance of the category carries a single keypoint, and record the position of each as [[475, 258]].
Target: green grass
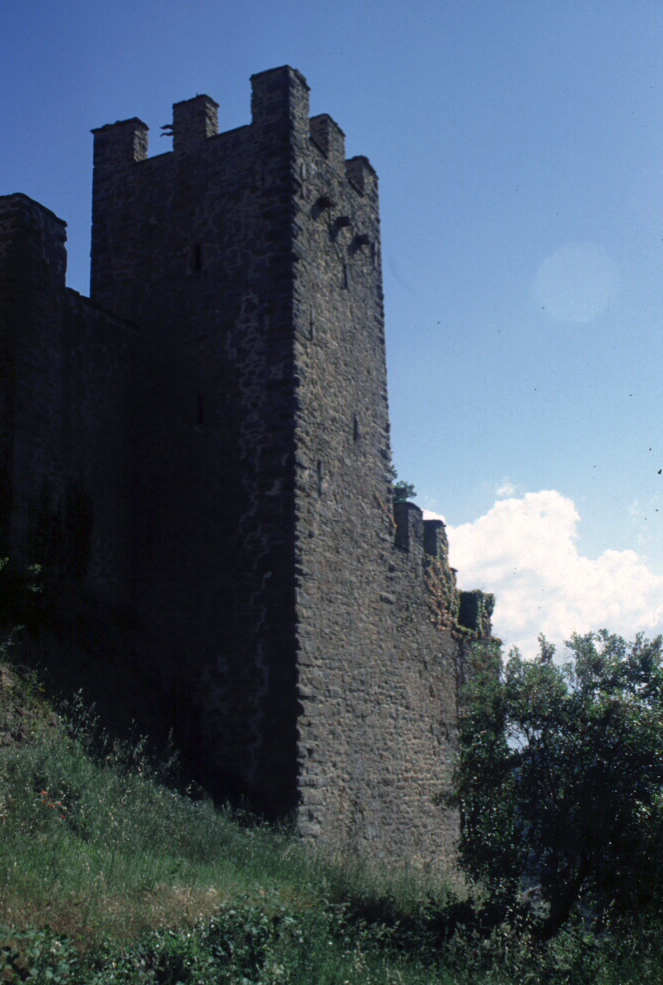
[[107, 875]]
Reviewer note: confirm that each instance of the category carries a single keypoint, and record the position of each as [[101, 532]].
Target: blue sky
[[519, 146]]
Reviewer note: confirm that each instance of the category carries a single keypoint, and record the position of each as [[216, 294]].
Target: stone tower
[[305, 646]]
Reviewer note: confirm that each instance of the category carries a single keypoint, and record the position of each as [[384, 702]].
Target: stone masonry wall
[[377, 678], [206, 443], [195, 244], [64, 423]]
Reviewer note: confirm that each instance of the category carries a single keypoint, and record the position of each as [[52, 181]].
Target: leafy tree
[[402, 490], [560, 774]]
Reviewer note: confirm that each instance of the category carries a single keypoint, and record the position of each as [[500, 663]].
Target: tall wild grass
[[109, 875]]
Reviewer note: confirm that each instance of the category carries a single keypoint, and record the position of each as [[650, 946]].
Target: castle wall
[[377, 679], [196, 244], [206, 442], [64, 383]]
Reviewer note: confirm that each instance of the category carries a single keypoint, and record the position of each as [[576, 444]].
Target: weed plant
[[108, 875]]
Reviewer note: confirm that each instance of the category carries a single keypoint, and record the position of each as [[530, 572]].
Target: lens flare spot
[[576, 283]]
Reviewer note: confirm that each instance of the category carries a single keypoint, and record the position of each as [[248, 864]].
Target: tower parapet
[[194, 120], [435, 539], [119, 144], [362, 174], [329, 137], [32, 245], [409, 527], [279, 101]]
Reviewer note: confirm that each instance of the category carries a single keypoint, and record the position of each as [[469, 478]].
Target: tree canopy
[[560, 774], [402, 490]]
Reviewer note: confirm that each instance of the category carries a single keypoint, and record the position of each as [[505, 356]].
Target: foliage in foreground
[[110, 877], [262, 940], [560, 777]]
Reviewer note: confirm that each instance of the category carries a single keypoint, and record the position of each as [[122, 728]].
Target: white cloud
[[506, 489], [523, 551]]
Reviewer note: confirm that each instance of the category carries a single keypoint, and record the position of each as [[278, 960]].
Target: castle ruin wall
[[217, 415]]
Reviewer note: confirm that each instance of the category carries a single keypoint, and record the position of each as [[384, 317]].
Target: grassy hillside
[[109, 875]]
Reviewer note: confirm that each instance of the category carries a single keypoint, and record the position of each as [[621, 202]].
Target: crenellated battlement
[[194, 120], [120, 144], [416, 535], [362, 174], [279, 101], [279, 110], [329, 137], [466, 611], [409, 527], [32, 244]]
